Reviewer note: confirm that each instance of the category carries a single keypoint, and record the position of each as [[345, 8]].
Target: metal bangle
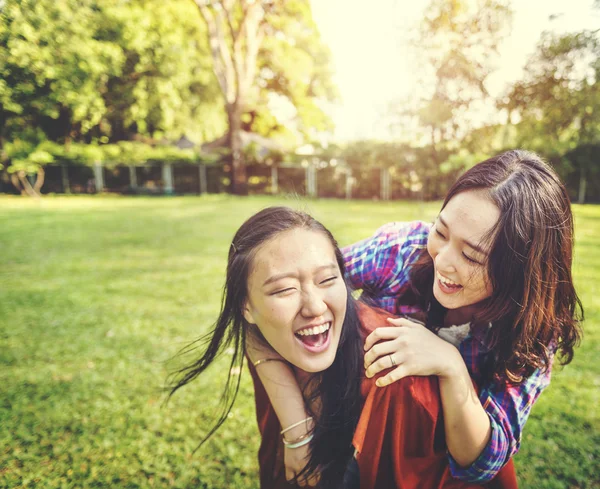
[[295, 425], [306, 441], [293, 442], [265, 360]]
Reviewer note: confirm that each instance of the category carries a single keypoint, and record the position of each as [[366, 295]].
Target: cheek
[[273, 314], [488, 285], [337, 298], [281, 314], [480, 282], [432, 246]]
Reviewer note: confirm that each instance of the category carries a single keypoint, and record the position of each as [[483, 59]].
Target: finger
[[289, 474], [380, 350], [394, 376], [403, 322], [379, 334], [313, 480], [301, 481], [384, 363]]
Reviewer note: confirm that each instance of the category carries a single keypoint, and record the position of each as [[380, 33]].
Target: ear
[[248, 314]]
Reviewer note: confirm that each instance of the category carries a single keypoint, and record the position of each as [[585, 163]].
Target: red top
[[399, 438]]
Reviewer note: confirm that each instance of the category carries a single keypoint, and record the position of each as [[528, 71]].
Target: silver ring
[[392, 360]]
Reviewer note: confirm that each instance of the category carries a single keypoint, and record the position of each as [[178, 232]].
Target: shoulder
[[404, 233], [414, 398], [424, 391], [369, 315]]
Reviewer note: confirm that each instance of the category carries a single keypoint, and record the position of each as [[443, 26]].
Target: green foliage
[[295, 64], [51, 66], [416, 171], [167, 87], [29, 158], [458, 40], [105, 69], [557, 104], [97, 294], [560, 95]]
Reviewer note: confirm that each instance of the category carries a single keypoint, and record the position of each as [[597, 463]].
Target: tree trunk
[[239, 184], [20, 181], [39, 181]]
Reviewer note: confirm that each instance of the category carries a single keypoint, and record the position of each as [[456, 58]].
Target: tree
[[458, 40], [556, 107], [253, 44], [167, 87], [105, 70], [53, 71]]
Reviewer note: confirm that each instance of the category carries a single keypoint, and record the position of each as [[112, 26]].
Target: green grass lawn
[[98, 293]]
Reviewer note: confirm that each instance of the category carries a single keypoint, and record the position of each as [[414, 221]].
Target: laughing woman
[[285, 287], [488, 302]]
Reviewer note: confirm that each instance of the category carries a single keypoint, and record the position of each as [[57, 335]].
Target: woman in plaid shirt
[[489, 300]]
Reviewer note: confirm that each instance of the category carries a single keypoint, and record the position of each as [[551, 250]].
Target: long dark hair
[[337, 388], [534, 308]]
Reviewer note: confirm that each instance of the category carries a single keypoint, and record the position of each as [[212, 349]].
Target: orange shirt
[[399, 438]]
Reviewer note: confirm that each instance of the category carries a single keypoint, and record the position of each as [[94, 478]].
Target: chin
[[314, 366], [440, 298]]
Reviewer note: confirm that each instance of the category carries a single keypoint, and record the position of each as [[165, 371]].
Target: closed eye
[[469, 259], [440, 234], [282, 291], [329, 280]]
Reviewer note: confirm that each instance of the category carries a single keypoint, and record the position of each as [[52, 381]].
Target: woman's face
[[297, 298], [459, 253]]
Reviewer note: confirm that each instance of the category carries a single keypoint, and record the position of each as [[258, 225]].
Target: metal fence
[[313, 180]]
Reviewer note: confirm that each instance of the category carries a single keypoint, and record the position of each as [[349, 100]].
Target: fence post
[[203, 180], [99, 176], [311, 181], [385, 184], [316, 179], [388, 183], [348, 183], [65, 179], [132, 177], [274, 180], [167, 176], [314, 176], [307, 180]]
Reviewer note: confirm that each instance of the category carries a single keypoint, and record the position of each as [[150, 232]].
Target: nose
[[445, 259], [313, 304]]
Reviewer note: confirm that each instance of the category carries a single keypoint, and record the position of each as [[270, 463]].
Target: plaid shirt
[[380, 266]]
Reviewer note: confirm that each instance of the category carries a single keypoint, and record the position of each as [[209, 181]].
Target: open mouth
[[446, 285], [316, 338]]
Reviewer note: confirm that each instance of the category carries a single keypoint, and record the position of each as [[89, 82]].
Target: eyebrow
[[275, 278], [476, 247]]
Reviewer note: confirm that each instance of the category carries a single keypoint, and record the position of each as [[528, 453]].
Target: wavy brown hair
[[534, 309]]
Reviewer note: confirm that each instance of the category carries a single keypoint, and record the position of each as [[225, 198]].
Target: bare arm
[[466, 423], [282, 388], [278, 380]]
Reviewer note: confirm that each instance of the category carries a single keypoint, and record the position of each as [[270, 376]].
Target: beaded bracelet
[[301, 443]]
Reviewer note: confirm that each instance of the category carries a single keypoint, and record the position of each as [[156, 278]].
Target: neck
[[304, 381], [461, 315], [302, 377]]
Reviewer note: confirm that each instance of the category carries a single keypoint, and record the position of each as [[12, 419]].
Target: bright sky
[[374, 64]]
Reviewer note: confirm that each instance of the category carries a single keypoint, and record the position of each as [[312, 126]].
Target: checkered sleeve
[[508, 408], [379, 265]]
